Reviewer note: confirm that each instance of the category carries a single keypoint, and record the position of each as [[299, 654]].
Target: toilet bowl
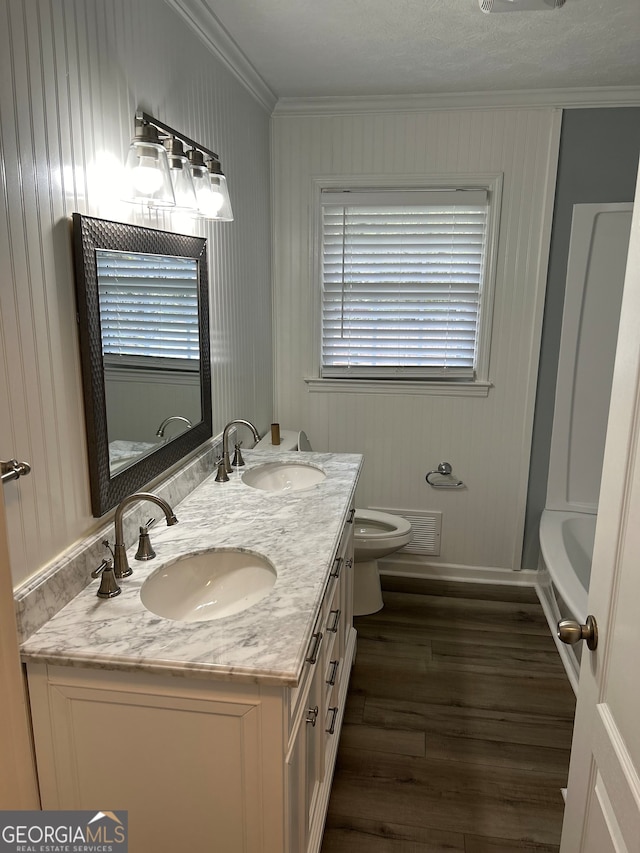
[[376, 534]]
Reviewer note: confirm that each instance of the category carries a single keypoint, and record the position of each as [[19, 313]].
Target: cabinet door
[[317, 714], [305, 767], [188, 771], [314, 736]]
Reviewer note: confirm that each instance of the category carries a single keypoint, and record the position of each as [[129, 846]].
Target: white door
[[603, 802], [18, 786]]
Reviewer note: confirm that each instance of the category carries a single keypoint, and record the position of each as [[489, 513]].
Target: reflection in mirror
[[150, 350], [144, 335]]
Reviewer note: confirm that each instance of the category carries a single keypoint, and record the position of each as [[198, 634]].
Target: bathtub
[[566, 545]]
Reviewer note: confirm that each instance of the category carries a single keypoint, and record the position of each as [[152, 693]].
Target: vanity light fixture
[[160, 174]]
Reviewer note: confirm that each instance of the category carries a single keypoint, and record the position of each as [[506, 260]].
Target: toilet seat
[[374, 524], [303, 442], [378, 534]]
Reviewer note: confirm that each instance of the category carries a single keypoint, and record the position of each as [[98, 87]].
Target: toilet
[[376, 534]]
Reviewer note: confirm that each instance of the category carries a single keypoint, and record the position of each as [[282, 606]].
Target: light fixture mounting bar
[[148, 119]]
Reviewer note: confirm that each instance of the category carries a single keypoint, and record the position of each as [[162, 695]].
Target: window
[[149, 309], [403, 275]]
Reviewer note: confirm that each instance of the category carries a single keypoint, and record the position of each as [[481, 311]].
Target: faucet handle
[[108, 585], [104, 565], [222, 476], [237, 461], [145, 550]]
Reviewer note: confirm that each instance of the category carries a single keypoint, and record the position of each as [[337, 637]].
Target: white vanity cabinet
[[202, 764], [317, 705]]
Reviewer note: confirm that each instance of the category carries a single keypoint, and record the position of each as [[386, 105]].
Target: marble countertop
[[296, 531]]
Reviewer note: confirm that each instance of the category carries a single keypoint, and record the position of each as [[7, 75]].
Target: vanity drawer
[[333, 673], [326, 649], [324, 640], [332, 621], [314, 658]]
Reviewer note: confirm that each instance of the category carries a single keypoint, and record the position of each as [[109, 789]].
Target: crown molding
[[612, 96], [199, 16]]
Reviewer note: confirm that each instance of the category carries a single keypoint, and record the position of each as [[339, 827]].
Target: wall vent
[[426, 530], [489, 6]]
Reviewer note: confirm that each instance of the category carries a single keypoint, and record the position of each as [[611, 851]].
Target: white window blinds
[[148, 305], [402, 282]]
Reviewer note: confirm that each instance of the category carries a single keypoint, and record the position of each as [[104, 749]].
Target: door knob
[[570, 631]]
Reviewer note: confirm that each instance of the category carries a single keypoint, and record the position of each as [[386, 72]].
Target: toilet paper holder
[[444, 470]]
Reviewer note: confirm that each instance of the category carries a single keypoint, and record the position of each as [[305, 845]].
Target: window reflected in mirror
[[150, 350]]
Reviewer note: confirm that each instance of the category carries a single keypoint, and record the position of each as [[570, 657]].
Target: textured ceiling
[[308, 48]]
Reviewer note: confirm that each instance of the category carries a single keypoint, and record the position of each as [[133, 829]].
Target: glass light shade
[[213, 197], [208, 202], [221, 195], [202, 187], [181, 180], [147, 171], [183, 188]]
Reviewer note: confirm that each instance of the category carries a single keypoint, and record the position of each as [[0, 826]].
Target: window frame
[[480, 384]]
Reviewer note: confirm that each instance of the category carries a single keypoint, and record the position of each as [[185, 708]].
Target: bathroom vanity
[[215, 735]]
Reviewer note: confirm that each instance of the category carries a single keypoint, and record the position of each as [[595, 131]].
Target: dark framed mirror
[[143, 318]]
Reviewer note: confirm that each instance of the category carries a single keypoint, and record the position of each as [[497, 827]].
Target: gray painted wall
[[599, 151]]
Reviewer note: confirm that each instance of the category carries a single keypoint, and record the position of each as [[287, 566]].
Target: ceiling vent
[[490, 6]]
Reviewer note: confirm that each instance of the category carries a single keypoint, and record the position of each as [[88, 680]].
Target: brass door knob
[[571, 632]]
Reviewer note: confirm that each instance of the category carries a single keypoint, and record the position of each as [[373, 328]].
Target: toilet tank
[[288, 441]]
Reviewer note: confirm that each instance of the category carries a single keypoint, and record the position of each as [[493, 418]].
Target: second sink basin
[[208, 586], [283, 476]]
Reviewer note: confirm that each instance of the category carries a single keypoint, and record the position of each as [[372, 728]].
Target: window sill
[[399, 386]]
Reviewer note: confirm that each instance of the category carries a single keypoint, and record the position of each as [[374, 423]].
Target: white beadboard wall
[[486, 439], [72, 73]]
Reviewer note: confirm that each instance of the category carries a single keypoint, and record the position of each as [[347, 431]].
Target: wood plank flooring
[[458, 726]]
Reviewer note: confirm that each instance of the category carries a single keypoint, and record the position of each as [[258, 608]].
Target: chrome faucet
[[121, 566], [167, 421], [225, 440]]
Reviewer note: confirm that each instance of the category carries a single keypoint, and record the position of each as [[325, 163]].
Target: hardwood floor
[[458, 726]]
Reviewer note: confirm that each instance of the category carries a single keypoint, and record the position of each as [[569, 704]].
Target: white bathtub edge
[[554, 559], [552, 614]]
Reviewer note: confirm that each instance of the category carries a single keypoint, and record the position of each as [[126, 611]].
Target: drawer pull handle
[[332, 724], [337, 567], [314, 647], [312, 715], [334, 672], [336, 621]]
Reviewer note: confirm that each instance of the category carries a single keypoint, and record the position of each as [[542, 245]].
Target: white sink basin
[[208, 586], [283, 476]]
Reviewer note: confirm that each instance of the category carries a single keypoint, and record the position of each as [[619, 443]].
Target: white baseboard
[[414, 566]]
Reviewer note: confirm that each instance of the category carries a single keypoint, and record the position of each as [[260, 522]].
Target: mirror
[[143, 314]]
